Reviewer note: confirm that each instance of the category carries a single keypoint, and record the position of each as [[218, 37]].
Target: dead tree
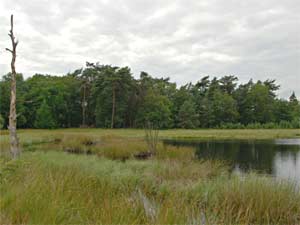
[[14, 141]]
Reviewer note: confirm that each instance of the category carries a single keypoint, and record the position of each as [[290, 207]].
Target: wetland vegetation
[[105, 183]]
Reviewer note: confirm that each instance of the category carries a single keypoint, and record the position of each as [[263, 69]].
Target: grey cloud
[[183, 39]]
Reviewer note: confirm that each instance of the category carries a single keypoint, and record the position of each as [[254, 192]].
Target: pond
[[278, 157]]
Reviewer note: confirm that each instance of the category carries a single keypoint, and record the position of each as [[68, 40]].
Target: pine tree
[[44, 118], [294, 109], [188, 117], [293, 98]]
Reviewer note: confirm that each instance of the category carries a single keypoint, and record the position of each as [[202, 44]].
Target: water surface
[[278, 157]]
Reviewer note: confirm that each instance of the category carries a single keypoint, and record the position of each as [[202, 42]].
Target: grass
[[173, 133], [36, 139], [103, 183], [59, 188]]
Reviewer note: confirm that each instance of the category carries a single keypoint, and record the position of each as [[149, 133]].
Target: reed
[[62, 188]]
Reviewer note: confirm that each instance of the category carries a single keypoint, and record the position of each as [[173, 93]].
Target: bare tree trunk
[[113, 106], [14, 141]]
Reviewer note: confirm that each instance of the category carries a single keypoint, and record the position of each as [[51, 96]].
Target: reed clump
[[120, 148], [76, 144]]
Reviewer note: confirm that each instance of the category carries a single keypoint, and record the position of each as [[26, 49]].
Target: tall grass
[[120, 148], [61, 188], [250, 200], [151, 137], [50, 186]]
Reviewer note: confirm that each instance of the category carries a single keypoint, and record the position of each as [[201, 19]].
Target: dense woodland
[[110, 97]]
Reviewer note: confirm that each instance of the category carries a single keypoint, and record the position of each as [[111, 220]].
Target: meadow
[[93, 176]]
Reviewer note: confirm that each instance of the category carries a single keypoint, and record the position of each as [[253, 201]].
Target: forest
[[108, 96]]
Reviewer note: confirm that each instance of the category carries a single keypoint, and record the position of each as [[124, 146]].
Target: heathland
[[102, 176]]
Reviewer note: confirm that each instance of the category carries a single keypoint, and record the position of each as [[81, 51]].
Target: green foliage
[[155, 109], [187, 116], [112, 87], [1, 122], [222, 108], [44, 117], [261, 103], [5, 99], [109, 96]]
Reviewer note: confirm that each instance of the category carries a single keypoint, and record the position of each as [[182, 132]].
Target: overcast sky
[[182, 39]]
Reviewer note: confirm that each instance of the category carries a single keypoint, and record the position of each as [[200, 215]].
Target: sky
[[181, 39]]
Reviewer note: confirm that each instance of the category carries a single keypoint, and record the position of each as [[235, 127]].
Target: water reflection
[[280, 157], [287, 165]]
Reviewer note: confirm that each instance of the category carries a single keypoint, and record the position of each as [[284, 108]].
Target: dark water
[[279, 157]]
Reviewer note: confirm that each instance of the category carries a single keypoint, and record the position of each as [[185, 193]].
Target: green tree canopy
[[187, 116], [109, 96], [155, 109], [44, 118]]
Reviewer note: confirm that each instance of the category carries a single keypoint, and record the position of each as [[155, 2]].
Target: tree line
[[110, 97]]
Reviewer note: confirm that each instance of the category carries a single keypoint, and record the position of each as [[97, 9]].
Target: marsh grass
[[60, 188], [172, 133], [50, 186], [120, 148], [151, 138], [182, 153], [4, 149], [34, 139], [250, 200], [77, 144]]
